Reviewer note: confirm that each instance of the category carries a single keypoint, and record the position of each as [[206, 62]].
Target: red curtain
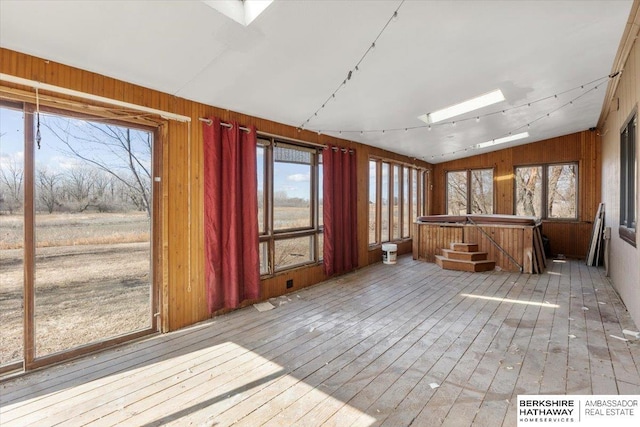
[[232, 264], [339, 210]]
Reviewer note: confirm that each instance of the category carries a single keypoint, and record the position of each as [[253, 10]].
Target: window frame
[[628, 176], [421, 177], [77, 110], [469, 192], [269, 235], [544, 197]]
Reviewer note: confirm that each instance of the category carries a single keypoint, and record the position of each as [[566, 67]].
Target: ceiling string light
[[476, 117], [528, 125], [371, 48]]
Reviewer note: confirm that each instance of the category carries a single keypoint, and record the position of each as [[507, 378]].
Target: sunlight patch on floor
[[513, 301]]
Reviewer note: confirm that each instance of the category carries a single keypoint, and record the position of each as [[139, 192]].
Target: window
[[396, 198], [289, 204], [628, 173], [470, 192], [547, 191], [373, 197]]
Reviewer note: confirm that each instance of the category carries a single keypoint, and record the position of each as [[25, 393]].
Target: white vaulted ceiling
[[292, 57]]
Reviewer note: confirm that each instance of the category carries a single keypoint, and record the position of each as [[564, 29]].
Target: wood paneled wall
[[183, 294], [567, 237]]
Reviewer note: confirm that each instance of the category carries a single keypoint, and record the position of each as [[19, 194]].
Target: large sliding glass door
[[86, 253]]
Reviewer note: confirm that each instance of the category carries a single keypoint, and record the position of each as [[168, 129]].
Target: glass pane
[[482, 191], [12, 242], [320, 191], [290, 252], [457, 193], [373, 177], [291, 188], [561, 191], [264, 257], [384, 201], [414, 195], [406, 212], [320, 246], [93, 246], [261, 193], [529, 191], [396, 202]]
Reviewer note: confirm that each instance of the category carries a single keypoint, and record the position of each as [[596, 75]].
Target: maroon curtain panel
[[339, 210], [232, 264]]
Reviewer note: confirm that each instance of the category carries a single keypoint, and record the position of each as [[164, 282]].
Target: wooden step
[[464, 256], [464, 247], [460, 265]]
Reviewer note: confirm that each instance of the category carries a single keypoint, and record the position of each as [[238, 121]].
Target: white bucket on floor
[[389, 253]]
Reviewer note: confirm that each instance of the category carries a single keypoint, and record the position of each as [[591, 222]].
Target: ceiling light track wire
[[372, 46], [477, 117]]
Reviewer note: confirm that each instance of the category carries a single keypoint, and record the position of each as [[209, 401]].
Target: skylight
[[472, 104], [503, 140], [241, 11]]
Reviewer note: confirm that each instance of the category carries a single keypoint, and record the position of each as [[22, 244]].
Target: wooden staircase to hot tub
[[464, 257]]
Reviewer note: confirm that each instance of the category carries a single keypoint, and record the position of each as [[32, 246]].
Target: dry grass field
[[92, 280], [92, 276]]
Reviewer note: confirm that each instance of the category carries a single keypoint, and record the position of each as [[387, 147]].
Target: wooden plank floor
[[393, 345]]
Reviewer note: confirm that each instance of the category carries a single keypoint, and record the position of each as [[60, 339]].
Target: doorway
[[77, 220]]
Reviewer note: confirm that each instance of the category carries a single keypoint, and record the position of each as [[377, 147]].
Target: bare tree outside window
[[48, 189], [562, 191], [482, 191], [548, 191], [121, 152], [11, 181], [529, 191], [457, 193]]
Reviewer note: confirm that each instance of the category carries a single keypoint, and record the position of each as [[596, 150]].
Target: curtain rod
[[227, 125], [260, 133], [64, 91], [285, 139]]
